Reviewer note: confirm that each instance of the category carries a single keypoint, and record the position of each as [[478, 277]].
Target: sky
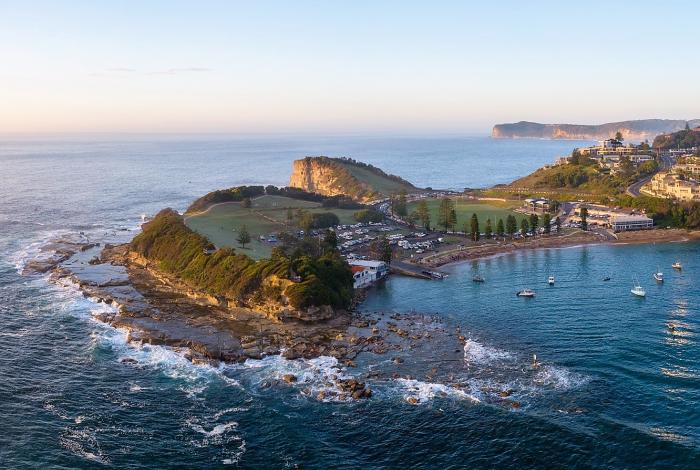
[[356, 66]]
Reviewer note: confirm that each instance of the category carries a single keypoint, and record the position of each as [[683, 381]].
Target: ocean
[[618, 385]]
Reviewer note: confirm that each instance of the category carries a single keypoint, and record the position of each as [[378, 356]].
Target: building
[[609, 147], [537, 204], [688, 165], [622, 223], [366, 272], [674, 186], [361, 277]]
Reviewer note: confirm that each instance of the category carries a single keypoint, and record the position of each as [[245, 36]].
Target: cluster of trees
[[665, 212], [324, 276], [447, 219], [366, 216], [315, 220], [447, 215]]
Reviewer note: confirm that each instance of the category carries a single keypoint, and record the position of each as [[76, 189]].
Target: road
[[635, 188]]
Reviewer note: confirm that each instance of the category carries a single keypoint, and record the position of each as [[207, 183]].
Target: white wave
[[317, 376], [559, 378], [221, 435], [217, 430], [35, 249], [477, 353], [171, 362], [423, 392]]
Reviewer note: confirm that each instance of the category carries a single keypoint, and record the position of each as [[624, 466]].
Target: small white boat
[[525, 293], [638, 290], [478, 278], [677, 265], [550, 280], [659, 276]]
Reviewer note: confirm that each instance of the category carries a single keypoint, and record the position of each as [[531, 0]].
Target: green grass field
[[267, 215], [381, 184], [466, 207]]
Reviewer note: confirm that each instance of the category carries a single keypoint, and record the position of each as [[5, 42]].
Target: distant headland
[[639, 130]]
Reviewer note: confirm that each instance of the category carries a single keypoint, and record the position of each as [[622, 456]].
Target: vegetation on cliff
[[684, 139], [583, 173], [320, 278]]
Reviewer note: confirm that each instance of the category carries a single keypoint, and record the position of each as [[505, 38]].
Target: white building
[[366, 272], [622, 223]]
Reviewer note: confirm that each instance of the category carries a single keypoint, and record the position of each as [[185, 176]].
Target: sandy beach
[[467, 253]]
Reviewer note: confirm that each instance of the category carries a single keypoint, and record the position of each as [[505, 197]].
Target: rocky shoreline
[[155, 309]]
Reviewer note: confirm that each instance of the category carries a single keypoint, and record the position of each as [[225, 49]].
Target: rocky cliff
[[640, 130], [335, 176]]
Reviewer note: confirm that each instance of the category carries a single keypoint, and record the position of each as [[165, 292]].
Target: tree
[[500, 228], [243, 236], [547, 223], [534, 222], [511, 225], [330, 241], [423, 214], [618, 136], [447, 216], [381, 249], [488, 231], [524, 227], [247, 203], [584, 218], [398, 204], [557, 222], [411, 219], [474, 228]]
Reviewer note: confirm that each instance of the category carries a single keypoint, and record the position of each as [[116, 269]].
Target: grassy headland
[[320, 275]]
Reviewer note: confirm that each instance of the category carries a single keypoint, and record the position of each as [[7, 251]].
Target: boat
[[525, 293], [677, 265], [550, 280], [659, 276], [606, 278], [638, 290], [478, 278]]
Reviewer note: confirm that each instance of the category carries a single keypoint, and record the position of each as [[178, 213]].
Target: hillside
[[686, 138], [646, 129], [583, 176], [324, 279], [340, 176]]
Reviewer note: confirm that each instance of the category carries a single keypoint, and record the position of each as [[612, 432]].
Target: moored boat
[[525, 293], [677, 265], [659, 276], [638, 290], [478, 278], [550, 280]]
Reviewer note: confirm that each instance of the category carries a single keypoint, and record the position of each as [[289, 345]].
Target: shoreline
[[578, 239]]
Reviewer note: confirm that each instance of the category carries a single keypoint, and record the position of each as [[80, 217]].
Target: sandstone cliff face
[[320, 176], [639, 130]]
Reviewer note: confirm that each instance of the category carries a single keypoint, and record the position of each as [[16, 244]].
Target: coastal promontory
[[635, 130], [341, 176]]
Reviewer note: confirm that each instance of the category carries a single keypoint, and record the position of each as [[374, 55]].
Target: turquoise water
[[618, 387]]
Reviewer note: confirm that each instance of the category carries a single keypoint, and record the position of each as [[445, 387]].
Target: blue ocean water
[[619, 384]]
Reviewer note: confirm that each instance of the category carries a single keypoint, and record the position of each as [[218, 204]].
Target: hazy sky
[[350, 66]]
